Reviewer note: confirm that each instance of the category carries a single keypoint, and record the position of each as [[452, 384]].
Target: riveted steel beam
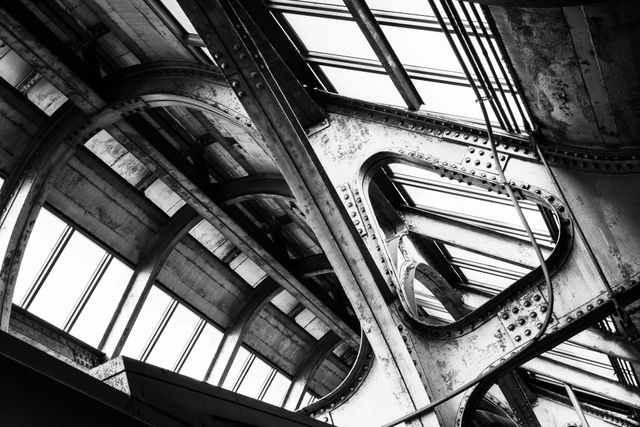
[[221, 24], [309, 366], [143, 278], [235, 333]]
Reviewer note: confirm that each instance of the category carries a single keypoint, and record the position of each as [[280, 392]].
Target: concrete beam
[[305, 371], [233, 336], [143, 278]]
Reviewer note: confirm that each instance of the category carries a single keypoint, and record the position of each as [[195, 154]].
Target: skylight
[[344, 60]]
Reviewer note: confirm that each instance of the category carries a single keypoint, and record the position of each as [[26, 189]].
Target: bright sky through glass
[[179, 14]]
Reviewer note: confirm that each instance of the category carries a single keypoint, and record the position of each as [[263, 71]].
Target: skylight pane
[[248, 270], [202, 353], [46, 231], [472, 207], [363, 85], [173, 338], [67, 279], [277, 390], [96, 315], [429, 49], [164, 197], [148, 318], [460, 101], [486, 278], [474, 257], [179, 14], [337, 37]]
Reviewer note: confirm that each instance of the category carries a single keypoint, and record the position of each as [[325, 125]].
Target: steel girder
[[229, 34], [494, 337]]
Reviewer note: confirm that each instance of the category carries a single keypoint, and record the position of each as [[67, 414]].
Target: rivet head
[[517, 338], [521, 321], [505, 316], [527, 332], [235, 84], [536, 298], [515, 310], [533, 315], [511, 327], [543, 309], [527, 303]]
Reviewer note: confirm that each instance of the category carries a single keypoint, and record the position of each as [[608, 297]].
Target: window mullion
[[191, 342], [160, 326], [243, 372], [88, 290]]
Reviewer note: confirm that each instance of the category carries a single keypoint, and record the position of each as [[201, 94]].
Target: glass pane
[[471, 207], [486, 278], [46, 232], [164, 197], [362, 85], [174, 337], [96, 315], [332, 36], [449, 99], [472, 256], [429, 49], [202, 353], [157, 301], [67, 279], [236, 368], [180, 16], [254, 380], [277, 390]]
